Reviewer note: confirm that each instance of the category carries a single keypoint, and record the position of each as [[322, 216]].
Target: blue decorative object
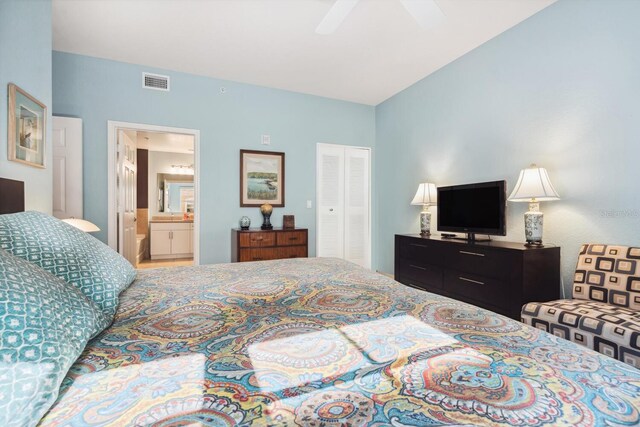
[[45, 324], [245, 223], [74, 256]]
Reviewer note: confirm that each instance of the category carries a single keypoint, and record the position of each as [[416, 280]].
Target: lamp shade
[[533, 183], [427, 194], [81, 224]]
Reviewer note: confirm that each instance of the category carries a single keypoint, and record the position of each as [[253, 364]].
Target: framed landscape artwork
[[26, 128], [261, 178]]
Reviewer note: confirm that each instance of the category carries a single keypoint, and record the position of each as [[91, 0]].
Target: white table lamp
[[427, 195], [81, 224], [533, 186]]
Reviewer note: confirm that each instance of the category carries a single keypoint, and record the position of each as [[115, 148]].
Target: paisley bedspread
[[322, 342]]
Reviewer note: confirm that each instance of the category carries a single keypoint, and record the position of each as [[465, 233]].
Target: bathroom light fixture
[[182, 169]]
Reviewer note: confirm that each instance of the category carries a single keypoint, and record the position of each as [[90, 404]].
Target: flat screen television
[[473, 208]]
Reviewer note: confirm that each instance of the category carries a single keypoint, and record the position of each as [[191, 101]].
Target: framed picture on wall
[[261, 178], [26, 128]]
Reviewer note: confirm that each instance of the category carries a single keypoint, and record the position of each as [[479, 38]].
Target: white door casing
[[127, 204], [67, 168], [344, 203], [113, 128]]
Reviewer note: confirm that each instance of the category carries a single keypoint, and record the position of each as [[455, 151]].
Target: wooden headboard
[[11, 196]]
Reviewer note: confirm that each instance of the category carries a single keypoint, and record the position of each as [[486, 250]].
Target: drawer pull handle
[[257, 259], [258, 238], [420, 246], [477, 282], [417, 266], [471, 253], [293, 238]]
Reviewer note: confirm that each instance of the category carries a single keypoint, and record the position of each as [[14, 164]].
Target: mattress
[[322, 342]]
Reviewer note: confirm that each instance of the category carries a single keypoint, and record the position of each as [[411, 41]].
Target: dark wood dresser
[[498, 276], [262, 245]]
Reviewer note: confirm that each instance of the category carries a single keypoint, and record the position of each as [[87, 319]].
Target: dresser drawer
[[483, 262], [426, 276], [287, 238], [257, 239], [292, 252], [478, 288], [420, 250], [258, 254]]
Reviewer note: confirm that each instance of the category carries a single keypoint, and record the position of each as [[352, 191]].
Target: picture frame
[[26, 139], [261, 178]]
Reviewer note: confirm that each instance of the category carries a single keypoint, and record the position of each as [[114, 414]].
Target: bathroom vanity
[[171, 239]]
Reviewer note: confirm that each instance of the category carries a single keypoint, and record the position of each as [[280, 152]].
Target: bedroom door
[[127, 196], [67, 167], [343, 203]]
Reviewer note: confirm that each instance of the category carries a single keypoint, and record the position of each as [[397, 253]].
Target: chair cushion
[[608, 329], [73, 255], [45, 324], [608, 274]]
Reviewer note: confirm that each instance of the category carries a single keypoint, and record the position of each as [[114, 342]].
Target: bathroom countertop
[[171, 221]]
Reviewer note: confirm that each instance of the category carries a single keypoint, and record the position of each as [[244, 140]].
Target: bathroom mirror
[[175, 193]]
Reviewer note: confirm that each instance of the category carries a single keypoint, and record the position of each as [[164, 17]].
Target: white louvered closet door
[[343, 205], [330, 203], [357, 246]]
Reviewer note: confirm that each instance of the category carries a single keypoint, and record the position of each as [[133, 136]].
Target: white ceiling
[[378, 50], [167, 142]]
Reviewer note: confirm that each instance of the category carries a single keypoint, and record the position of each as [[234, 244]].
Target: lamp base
[[533, 225], [534, 245], [425, 223]]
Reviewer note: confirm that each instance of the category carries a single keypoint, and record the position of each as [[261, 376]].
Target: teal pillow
[[73, 255], [44, 325]]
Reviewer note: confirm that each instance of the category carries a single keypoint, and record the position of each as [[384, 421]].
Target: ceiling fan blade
[[335, 16], [425, 12]]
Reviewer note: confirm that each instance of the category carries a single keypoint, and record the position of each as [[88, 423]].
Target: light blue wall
[[562, 89], [25, 59], [98, 90]]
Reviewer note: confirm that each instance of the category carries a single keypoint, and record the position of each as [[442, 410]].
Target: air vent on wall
[[155, 81]]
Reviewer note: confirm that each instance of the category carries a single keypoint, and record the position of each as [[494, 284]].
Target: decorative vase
[[266, 211], [425, 222], [245, 223], [533, 225]]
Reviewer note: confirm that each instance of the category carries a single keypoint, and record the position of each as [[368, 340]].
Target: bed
[[300, 342], [321, 342]]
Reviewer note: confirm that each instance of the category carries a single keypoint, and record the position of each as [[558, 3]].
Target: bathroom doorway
[[153, 194]]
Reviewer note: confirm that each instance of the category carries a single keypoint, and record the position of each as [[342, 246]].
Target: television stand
[[499, 276], [471, 238]]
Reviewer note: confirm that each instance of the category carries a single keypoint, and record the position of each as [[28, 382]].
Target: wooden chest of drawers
[[499, 276], [262, 245]]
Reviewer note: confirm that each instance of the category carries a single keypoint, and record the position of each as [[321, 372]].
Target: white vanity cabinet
[[171, 240]]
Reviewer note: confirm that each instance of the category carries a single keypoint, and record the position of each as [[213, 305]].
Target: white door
[[67, 167], [357, 245], [330, 201], [127, 196], [343, 203]]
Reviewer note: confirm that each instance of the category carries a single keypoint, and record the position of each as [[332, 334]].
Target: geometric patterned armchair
[[604, 313]]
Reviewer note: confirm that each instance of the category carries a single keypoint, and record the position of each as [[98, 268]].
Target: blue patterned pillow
[[44, 325], [71, 254]]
